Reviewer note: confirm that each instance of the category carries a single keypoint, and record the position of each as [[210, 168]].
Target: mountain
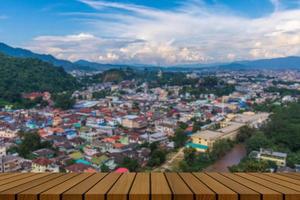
[[67, 65], [99, 66], [23, 53], [22, 75], [291, 62]]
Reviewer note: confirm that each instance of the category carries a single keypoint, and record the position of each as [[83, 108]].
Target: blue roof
[[196, 146], [83, 162]]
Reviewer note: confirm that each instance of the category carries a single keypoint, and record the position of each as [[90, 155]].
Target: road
[[170, 162]]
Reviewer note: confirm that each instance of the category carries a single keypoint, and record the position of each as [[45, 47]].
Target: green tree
[[180, 138], [64, 101], [245, 133], [131, 164]]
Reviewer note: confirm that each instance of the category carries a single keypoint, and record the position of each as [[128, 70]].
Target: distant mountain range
[[67, 65], [291, 62]]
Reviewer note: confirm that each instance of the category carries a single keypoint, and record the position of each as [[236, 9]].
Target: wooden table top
[[149, 186]]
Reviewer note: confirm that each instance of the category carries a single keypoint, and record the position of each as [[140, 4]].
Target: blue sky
[[160, 32]]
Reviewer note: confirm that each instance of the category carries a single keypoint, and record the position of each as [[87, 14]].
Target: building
[[43, 165], [7, 133], [204, 140], [252, 119], [134, 121], [2, 151], [10, 164], [278, 157], [91, 136]]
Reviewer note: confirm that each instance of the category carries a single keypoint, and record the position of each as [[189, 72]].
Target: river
[[233, 157]]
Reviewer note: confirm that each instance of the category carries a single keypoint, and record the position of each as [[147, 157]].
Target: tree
[[180, 137], [220, 148], [157, 158], [31, 141], [257, 141], [131, 164], [64, 101], [245, 133], [104, 168]]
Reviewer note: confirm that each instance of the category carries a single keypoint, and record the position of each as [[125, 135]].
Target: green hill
[[22, 75]]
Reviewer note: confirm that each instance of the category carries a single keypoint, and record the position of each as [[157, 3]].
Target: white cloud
[[191, 33], [3, 17]]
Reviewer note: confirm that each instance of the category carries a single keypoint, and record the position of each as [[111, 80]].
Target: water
[[233, 157]]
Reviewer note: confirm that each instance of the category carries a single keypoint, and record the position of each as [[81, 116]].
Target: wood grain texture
[[121, 188], [160, 189], [288, 193], [224, 193], [140, 189], [267, 193], [33, 193], [55, 192], [150, 186], [77, 192], [15, 178], [201, 191], [11, 193], [178, 187], [98, 191], [21, 181], [244, 192], [278, 181]]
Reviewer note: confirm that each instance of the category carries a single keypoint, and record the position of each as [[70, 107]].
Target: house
[[43, 165], [8, 133], [134, 121], [77, 168], [204, 140], [10, 163], [2, 150], [156, 137], [43, 153], [278, 157]]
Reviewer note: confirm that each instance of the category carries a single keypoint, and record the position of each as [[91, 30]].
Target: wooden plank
[[289, 194], [200, 190], [33, 193], [289, 175], [55, 192], [120, 189], [8, 175], [15, 178], [160, 189], [21, 181], [267, 193], [278, 181], [140, 189], [77, 191], [224, 193], [11, 193], [245, 193], [291, 180], [99, 190], [178, 187]]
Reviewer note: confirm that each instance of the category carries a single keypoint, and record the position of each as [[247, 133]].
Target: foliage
[[63, 101], [104, 168], [157, 155], [101, 94], [30, 142], [131, 164], [245, 133], [220, 148], [19, 75], [252, 165], [180, 137]]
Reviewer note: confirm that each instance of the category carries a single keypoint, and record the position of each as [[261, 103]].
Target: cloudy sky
[[155, 32]]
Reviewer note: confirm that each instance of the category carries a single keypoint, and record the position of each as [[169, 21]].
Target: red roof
[[122, 170], [42, 161]]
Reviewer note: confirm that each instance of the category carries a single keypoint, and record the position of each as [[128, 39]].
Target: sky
[[153, 32]]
